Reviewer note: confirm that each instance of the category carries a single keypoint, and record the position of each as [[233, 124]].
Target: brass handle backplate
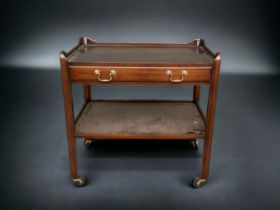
[[112, 73], [170, 74]]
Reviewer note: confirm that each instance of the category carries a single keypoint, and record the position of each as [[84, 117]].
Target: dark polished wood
[[139, 74], [87, 93], [69, 115], [140, 54], [196, 93], [210, 116], [105, 63]]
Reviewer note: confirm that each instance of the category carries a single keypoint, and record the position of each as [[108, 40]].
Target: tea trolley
[[128, 63]]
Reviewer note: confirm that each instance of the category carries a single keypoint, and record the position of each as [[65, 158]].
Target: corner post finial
[[218, 56], [63, 55], [83, 40], [200, 42]]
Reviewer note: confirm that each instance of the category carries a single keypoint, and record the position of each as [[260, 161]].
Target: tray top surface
[[161, 54]]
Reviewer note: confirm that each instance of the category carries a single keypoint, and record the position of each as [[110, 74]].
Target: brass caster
[[88, 142], [198, 182], [194, 144], [80, 181]]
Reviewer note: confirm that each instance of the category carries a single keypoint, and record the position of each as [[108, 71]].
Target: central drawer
[[98, 74]]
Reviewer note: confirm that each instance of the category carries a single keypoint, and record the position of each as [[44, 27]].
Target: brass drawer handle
[[112, 73], [170, 74]]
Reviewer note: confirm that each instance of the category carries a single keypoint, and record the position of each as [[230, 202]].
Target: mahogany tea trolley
[[133, 63]]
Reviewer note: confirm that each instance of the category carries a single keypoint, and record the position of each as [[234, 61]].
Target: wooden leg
[[196, 97], [72, 157], [69, 117], [206, 157], [211, 107], [87, 98], [87, 93], [209, 132], [196, 93]]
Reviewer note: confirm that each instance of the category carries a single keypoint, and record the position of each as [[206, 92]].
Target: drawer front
[[143, 74]]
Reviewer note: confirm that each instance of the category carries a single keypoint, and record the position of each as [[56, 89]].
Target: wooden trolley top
[[91, 52]]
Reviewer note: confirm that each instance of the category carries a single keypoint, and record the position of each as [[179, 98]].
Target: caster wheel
[[194, 144], [80, 181], [198, 182], [88, 142]]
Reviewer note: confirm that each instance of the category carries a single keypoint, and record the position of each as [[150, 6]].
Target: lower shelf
[[159, 120]]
